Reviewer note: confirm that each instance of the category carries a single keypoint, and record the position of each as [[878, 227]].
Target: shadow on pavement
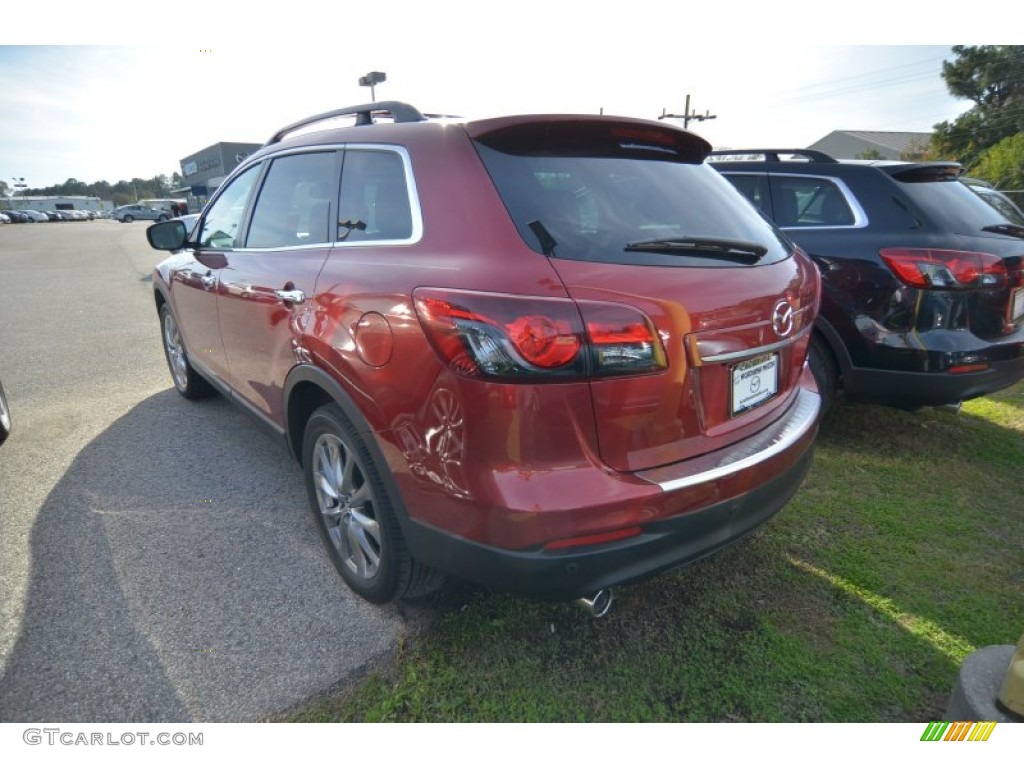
[[176, 575]]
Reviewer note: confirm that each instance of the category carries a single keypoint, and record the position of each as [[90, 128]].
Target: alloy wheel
[[5, 415], [175, 349], [347, 505]]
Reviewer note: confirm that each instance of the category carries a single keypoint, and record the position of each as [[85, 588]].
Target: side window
[[224, 219], [752, 187], [374, 197], [809, 201], [294, 204]]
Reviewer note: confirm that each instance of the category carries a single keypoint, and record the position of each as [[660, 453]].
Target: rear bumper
[[737, 490], [912, 389], [910, 370]]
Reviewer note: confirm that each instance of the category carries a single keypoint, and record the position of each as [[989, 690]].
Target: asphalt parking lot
[[159, 561]]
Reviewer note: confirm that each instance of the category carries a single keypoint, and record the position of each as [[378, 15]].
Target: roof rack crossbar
[[772, 155], [402, 113]]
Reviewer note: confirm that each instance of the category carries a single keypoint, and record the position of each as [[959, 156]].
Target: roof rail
[[772, 155], [400, 111]]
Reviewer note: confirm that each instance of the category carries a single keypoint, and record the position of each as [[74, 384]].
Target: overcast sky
[[110, 112]]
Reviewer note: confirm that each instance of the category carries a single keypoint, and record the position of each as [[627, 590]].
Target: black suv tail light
[[945, 269], [487, 335]]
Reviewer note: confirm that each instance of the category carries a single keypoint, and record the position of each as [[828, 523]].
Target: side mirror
[[167, 235]]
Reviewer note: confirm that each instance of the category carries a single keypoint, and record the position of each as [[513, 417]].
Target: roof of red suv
[[510, 131]]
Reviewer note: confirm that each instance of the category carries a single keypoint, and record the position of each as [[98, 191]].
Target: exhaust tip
[[953, 408], [598, 605]]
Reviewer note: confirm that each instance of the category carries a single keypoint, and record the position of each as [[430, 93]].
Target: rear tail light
[[622, 339], [490, 335], [945, 269]]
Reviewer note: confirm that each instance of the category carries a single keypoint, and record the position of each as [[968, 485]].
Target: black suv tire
[[826, 375]]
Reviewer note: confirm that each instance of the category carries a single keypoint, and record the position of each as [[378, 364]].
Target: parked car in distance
[[190, 220], [996, 199], [35, 216], [17, 217], [923, 287], [129, 213], [4, 218], [546, 353]]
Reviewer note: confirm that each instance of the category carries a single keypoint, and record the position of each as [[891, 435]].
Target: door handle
[[209, 280], [291, 297]]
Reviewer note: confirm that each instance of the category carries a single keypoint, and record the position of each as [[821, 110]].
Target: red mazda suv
[[549, 354]]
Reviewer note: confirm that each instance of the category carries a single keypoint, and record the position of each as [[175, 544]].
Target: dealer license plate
[[1018, 304], [754, 381]]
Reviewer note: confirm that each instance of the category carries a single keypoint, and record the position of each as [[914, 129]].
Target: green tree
[[1003, 164], [917, 152], [992, 76], [73, 187], [870, 154]]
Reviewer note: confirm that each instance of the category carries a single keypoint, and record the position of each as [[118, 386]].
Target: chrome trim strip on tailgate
[[798, 420], [739, 355]]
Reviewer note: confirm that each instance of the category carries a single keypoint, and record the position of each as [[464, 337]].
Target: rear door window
[[811, 201], [377, 198], [754, 187]]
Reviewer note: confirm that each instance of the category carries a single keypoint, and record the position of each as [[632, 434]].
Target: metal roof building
[[892, 145]]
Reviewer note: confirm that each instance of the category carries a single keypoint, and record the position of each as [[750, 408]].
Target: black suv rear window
[[591, 208], [951, 204]]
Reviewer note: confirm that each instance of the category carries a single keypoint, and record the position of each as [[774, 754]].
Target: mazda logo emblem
[[782, 318]]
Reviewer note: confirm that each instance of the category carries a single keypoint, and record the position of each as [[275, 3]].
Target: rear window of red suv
[[596, 195]]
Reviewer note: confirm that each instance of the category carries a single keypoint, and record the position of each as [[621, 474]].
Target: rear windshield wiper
[[1013, 230], [732, 250]]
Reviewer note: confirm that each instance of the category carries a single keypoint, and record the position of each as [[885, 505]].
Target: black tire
[[127, 219], [354, 510], [189, 383], [826, 374], [163, 217], [5, 415]]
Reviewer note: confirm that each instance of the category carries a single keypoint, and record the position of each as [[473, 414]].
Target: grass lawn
[[901, 554]]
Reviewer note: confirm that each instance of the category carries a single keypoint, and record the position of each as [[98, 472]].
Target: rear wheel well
[[303, 402]]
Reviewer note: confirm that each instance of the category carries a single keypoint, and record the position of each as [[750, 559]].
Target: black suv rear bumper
[[1005, 367]]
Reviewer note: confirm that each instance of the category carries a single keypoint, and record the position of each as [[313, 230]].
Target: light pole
[[371, 79], [19, 183]]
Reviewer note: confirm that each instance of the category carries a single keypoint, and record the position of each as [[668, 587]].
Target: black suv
[[922, 300]]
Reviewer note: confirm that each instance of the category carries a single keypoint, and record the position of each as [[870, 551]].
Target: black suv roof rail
[[772, 155], [399, 110]]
